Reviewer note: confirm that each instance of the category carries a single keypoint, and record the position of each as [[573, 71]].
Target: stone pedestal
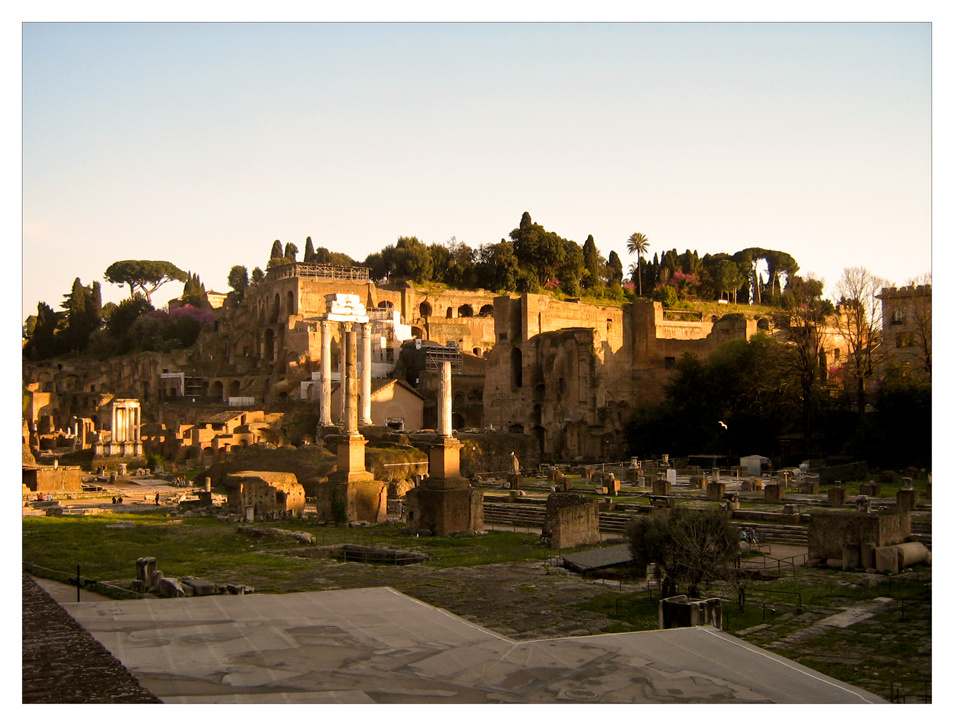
[[662, 488], [907, 499], [837, 496], [715, 490], [774, 493], [809, 487], [871, 489], [352, 491]]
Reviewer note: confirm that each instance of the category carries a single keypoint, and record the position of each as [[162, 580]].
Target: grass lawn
[[218, 551]]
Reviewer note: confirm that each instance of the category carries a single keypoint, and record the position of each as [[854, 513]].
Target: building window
[[670, 362], [897, 317]]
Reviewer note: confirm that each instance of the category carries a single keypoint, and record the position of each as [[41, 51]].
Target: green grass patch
[[217, 551]]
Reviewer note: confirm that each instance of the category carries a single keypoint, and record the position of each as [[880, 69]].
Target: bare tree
[[856, 320]]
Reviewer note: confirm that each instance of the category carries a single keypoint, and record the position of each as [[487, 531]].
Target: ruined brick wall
[[571, 520], [271, 493], [63, 479]]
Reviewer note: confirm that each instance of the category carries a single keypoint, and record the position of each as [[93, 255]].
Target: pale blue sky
[[201, 144]]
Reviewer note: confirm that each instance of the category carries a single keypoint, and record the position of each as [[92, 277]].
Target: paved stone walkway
[[63, 663]]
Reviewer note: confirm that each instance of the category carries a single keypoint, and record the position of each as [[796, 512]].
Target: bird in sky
[[723, 426]]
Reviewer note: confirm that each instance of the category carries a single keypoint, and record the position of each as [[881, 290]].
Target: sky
[[202, 143]]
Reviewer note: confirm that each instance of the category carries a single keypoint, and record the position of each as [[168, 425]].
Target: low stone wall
[[830, 532]]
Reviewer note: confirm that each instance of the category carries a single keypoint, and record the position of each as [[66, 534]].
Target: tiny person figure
[[157, 499]]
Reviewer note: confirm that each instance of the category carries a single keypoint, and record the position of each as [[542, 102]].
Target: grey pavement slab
[[376, 645], [599, 558]]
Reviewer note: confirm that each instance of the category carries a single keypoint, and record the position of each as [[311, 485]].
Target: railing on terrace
[[81, 582], [316, 271]]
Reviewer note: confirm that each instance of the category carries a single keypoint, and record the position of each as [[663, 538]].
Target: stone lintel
[[338, 318]]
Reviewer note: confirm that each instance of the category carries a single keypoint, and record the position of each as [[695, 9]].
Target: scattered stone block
[[170, 587], [199, 586], [697, 481], [871, 489], [715, 490]]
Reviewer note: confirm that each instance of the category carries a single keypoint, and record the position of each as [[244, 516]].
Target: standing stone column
[[445, 402], [324, 404], [365, 418], [350, 389], [138, 424], [115, 426]]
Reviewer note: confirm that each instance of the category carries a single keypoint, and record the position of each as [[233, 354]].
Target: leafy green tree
[[276, 252], [291, 250], [857, 321], [44, 342], [614, 267], [309, 250], [145, 276], [497, 267], [727, 278], [377, 266], [667, 295], [120, 320], [593, 264], [78, 326], [638, 244], [539, 252], [689, 547], [802, 319], [572, 269], [257, 276], [193, 292], [411, 260], [238, 281]]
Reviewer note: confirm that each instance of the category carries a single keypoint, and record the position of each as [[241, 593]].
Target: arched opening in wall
[[459, 399], [478, 352], [221, 453], [763, 324], [426, 309], [217, 390], [283, 397], [515, 429], [465, 311], [537, 415], [207, 457], [146, 391], [235, 389], [457, 421], [417, 332], [290, 298], [486, 311], [539, 392], [269, 352], [450, 313], [516, 368], [475, 397], [276, 308], [540, 434], [385, 305]]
